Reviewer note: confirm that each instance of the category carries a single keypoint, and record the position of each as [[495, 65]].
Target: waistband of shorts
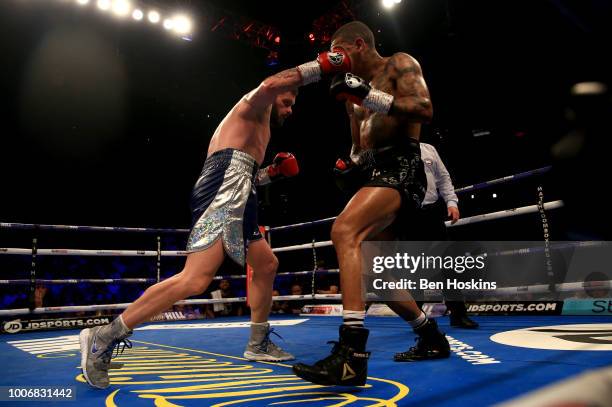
[[405, 144], [381, 154], [238, 159]]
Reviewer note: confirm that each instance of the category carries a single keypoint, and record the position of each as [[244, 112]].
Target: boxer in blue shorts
[[224, 208]]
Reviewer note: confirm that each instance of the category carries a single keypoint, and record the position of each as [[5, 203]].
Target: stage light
[[494, 195], [83, 2], [182, 25], [589, 88], [137, 14], [154, 17], [388, 3], [104, 5], [168, 24], [277, 40], [121, 7]]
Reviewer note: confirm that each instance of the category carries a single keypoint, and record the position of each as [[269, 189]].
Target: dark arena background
[[108, 108]]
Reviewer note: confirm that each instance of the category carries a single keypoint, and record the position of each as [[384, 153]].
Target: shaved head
[[349, 32]]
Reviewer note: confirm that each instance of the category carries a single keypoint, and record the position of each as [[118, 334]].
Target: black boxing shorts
[[398, 166], [224, 204]]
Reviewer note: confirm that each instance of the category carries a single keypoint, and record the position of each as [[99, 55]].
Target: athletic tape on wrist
[[378, 101], [310, 71]]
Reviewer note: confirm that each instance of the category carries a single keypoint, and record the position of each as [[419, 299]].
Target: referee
[[441, 203]]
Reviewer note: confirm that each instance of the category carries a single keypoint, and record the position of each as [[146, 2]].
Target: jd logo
[[559, 337], [12, 327]]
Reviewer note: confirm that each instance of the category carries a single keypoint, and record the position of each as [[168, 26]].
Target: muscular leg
[[200, 268], [431, 344], [370, 211], [407, 310], [264, 264]]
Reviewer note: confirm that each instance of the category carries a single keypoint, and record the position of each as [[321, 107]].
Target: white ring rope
[[8, 225], [502, 291], [505, 213], [152, 253], [150, 280], [469, 220], [564, 287], [80, 308], [101, 253]]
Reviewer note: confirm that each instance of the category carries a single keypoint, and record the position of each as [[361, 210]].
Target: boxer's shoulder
[[401, 63]]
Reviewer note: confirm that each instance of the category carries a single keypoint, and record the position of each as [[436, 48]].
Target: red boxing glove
[[333, 62], [284, 165], [341, 164]]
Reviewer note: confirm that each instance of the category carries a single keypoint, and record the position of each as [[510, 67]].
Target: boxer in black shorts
[[387, 100]]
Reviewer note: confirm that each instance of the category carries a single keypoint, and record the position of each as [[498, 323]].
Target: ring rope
[[468, 188], [8, 225], [152, 253], [502, 180], [539, 288]]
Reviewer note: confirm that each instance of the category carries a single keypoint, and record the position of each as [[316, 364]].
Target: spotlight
[[121, 7], [104, 5], [277, 40], [472, 196], [83, 2], [137, 14], [154, 17], [589, 88], [168, 24], [311, 37], [182, 25], [388, 3], [494, 195]]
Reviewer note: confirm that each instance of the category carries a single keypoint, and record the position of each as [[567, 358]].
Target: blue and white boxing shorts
[[224, 204]]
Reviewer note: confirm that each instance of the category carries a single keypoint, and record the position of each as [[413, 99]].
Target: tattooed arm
[[263, 96], [412, 99]]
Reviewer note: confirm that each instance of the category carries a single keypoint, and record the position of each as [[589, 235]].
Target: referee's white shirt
[[439, 182]]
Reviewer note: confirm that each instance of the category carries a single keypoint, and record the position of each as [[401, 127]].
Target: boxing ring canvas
[[199, 363]]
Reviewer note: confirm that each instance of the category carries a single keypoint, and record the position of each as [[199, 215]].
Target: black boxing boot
[[458, 315], [346, 366], [430, 344]]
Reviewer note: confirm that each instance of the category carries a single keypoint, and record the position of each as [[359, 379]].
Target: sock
[[354, 319], [419, 321], [259, 330], [115, 330]]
